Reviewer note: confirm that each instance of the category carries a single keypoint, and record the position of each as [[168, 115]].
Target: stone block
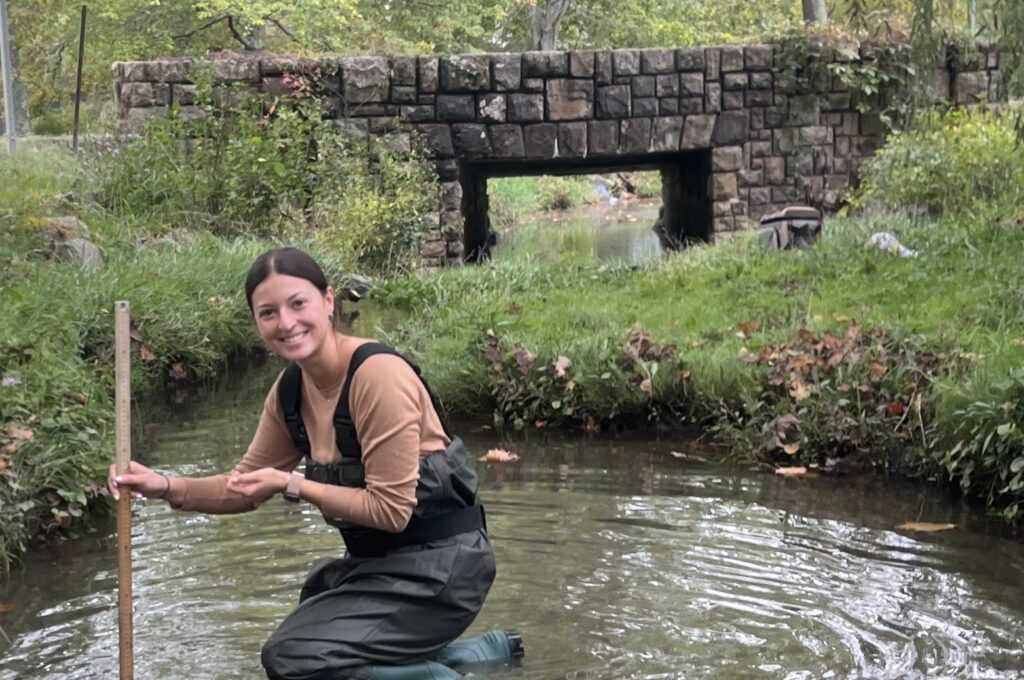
[[138, 71], [183, 94], [835, 101], [774, 116], [612, 101], [761, 149], [173, 70], [813, 134], [428, 67], [758, 58], [803, 110], [437, 139], [842, 146], [759, 98], [626, 62], [380, 125], [471, 140], [418, 113], [735, 81], [644, 107], [135, 95], [971, 87], [871, 124], [403, 94], [757, 119], [507, 141], [403, 71], [365, 80], [508, 71], [456, 249], [570, 99], [236, 70], [642, 86], [784, 141], [690, 59], [732, 128], [726, 158], [551, 64], [456, 108], [434, 248], [666, 133], [603, 137], [603, 67], [447, 169], [759, 196], [668, 85], [712, 63], [668, 106], [750, 178], [540, 140], [734, 100], [396, 142], [572, 140], [657, 60], [697, 131], [635, 135], [713, 97], [355, 127], [723, 186], [732, 58], [692, 85], [136, 119], [466, 73], [761, 81], [533, 84], [525, 108], [693, 105], [490, 108], [581, 64]]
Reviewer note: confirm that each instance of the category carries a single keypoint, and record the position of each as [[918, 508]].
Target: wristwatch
[[291, 491]]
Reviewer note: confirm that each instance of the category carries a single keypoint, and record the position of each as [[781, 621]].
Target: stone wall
[[769, 144]]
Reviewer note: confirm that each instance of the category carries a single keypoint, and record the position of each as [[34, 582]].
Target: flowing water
[[617, 559]]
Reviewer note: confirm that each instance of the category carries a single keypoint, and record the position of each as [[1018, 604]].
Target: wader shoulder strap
[[289, 393], [289, 396]]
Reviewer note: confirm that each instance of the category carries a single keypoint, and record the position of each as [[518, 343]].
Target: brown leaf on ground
[[799, 390], [6, 607], [646, 388], [178, 371], [499, 456], [562, 364], [524, 359], [19, 433], [926, 526], [749, 327], [147, 354], [795, 472], [894, 408]]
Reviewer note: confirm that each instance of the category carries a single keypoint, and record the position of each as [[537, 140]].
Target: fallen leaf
[[6, 607], [562, 364], [19, 433], [894, 408], [799, 390], [685, 375], [499, 456], [645, 387], [178, 372], [926, 526], [134, 334], [10, 448], [147, 354], [795, 472], [524, 359], [791, 449]]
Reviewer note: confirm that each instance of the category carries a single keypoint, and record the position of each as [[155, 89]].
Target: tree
[[545, 21], [815, 12]]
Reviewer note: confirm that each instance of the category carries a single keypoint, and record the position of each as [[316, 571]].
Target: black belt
[[362, 542]]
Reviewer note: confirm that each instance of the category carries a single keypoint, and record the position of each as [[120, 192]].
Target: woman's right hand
[[139, 480]]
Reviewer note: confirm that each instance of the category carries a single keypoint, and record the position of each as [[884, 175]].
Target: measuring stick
[[122, 436]]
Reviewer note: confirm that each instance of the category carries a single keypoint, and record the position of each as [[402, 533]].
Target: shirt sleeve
[[386, 401], [271, 446]]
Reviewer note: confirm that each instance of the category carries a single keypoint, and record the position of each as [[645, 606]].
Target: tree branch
[[205, 26], [237, 35]]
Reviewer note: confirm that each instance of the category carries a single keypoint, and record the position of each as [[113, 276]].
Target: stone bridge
[[732, 137]]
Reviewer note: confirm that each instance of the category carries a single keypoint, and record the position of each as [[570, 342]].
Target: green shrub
[[958, 161]]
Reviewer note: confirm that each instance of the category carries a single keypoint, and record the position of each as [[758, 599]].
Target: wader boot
[[424, 670], [495, 647]]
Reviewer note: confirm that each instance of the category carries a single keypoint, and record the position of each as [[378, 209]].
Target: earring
[[330, 318]]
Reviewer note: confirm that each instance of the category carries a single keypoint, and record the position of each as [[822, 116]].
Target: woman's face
[[292, 315]]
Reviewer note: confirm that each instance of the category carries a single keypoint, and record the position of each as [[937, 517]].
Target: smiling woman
[[381, 467]]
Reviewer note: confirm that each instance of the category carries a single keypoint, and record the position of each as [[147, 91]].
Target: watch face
[[291, 492]]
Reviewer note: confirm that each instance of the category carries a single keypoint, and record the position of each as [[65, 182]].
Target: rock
[[356, 287], [80, 251]]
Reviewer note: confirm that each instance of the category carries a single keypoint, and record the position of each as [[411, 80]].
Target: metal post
[[78, 80], [8, 67]]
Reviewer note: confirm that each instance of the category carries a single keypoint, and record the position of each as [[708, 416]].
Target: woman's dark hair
[[287, 261]]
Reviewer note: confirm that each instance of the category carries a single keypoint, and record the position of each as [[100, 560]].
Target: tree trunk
[[815, 12], [545, 21]]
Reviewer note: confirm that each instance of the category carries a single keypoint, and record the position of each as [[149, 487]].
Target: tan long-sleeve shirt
[[396, 425]]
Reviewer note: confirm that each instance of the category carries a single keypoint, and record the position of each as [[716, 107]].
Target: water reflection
[[603, 232], [616, 560]]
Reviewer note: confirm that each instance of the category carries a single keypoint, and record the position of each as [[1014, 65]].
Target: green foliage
[[958, 161]]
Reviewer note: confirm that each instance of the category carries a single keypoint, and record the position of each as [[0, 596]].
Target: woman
[[381, 467]]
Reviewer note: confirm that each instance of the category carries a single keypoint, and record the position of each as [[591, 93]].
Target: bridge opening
[[686, 211]]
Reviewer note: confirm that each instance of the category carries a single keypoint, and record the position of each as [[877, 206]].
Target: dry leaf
[[562, 364], [19, 433], [791, 449], [6, 607], [147, 354], [645, 387], [9, 448], [799, 390], [894, 408], [685, 375], [926, 526], [178, 371], [499, 456], [795, 472]]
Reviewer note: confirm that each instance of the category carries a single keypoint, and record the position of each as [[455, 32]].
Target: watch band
[[291, 491]]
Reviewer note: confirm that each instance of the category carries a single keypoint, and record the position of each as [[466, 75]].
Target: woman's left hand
[[262, 483]]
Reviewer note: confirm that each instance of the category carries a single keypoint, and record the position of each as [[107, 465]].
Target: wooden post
[[123, 445], [78, 79]]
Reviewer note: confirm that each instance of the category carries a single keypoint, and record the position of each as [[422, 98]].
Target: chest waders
[[394, 598]]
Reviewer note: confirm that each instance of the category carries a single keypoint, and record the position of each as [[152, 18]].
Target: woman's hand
[[139, 480], [262, 483]]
